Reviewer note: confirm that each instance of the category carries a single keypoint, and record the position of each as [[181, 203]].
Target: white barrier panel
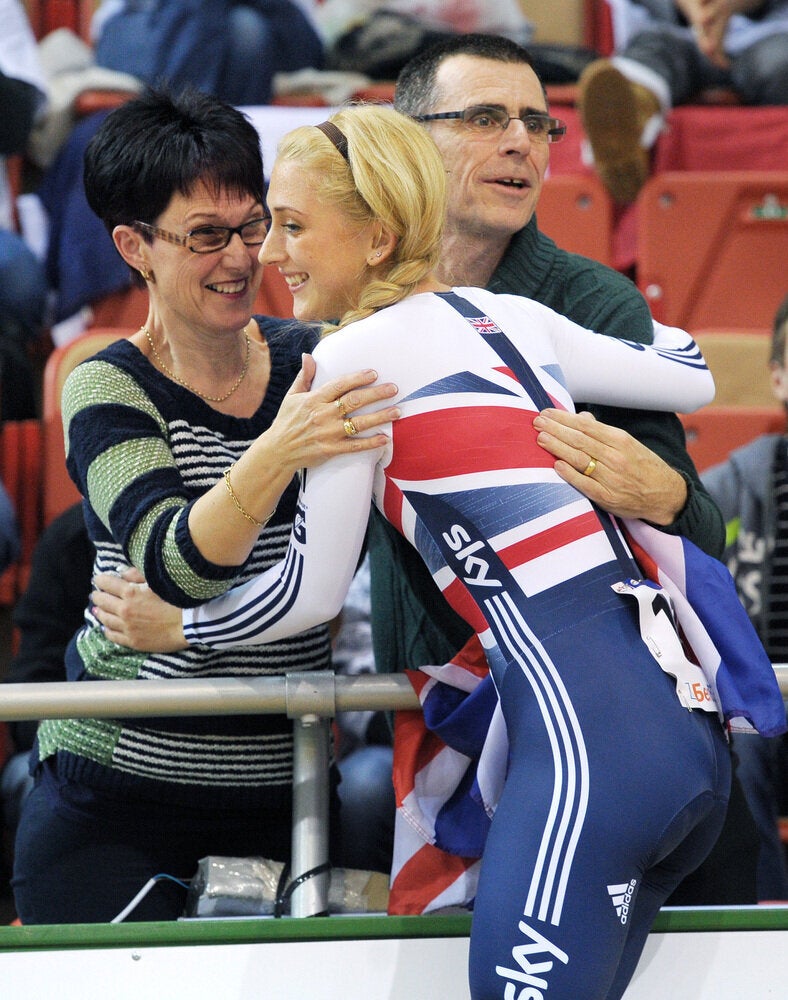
[[721, 965], [273, 121]]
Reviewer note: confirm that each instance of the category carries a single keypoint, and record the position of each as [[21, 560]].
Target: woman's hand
[[312, 426], [132, 615]]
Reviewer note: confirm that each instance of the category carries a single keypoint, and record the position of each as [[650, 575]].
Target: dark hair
[[159, 144], [780, 333], [415, 90]]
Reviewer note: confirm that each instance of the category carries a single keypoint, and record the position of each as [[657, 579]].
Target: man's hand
[[132, 615], [626, 478]]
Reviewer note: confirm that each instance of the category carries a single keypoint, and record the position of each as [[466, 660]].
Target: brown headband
[[339, 140]]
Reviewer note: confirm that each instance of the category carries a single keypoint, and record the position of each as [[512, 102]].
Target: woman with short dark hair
[[185, 440]]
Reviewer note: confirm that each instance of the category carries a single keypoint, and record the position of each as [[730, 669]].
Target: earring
[[146, 275]]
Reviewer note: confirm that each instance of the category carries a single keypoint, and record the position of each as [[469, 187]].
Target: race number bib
[[658, 630]]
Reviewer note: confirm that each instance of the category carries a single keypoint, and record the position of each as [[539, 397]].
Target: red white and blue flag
[[449, 767], [717, 629]]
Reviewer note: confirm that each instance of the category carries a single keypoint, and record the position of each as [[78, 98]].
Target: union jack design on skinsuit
[[492, 566]]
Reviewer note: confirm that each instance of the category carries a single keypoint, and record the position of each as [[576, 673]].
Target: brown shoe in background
[[614, 112]]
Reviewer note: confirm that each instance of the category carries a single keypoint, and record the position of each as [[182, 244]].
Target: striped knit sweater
[[142, 448]]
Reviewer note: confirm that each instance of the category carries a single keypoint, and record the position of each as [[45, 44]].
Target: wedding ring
[[341, 406], [350, 427], [590, 467]]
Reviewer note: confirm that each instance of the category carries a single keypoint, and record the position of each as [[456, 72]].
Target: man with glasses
[[486, 109]]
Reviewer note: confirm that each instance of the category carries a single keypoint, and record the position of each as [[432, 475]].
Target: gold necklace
[[185, 384]]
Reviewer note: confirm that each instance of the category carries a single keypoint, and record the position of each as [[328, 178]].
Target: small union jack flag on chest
[[483, 324]]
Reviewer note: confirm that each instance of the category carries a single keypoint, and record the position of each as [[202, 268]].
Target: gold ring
[[350, 427], [341, 406], [590, 467]]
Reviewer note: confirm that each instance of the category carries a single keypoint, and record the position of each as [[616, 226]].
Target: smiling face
[[323, 256], [204, 291], [495, 181]]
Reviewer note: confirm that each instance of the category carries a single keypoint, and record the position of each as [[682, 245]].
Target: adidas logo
[[621, 896]]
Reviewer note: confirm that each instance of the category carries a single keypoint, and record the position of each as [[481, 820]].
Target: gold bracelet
[[237, 502]]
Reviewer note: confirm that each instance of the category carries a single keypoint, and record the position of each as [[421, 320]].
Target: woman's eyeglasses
[[207, 239]]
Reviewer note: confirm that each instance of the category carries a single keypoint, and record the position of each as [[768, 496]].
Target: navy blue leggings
[[581, 856]]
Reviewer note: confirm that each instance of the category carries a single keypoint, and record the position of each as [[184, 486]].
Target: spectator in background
[[751, 488], [678, 48], [23, 287], [227, 48]]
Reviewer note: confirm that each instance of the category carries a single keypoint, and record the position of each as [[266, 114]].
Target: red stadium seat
[[744, 406], [57, 490], [577, 212], [712, 247], [20, 469], [128, 308], [49, 15], [723, 138]]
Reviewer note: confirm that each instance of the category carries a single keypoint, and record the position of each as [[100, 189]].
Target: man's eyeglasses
[[207, 239], [481, 120]]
